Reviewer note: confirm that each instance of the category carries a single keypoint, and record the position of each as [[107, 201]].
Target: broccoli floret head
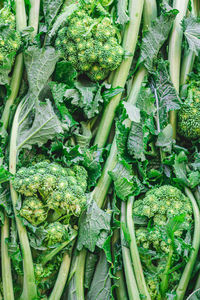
[[56, 188], [90, 44], [56, 233], [157, 209], [9, 42], [189, 114], [33, 210]]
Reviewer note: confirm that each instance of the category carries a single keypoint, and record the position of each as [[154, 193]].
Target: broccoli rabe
[[158, 208], [56, 233], [50, 187], [189, 114], [9, 40], [90, 44]]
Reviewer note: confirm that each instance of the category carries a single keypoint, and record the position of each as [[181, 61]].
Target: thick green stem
[[121, 74], [34, 15], [29, 288], [174, 57], [165, 277], [132, 288], [61, 278], [189, 56], [134, 252], [79, 275], [5, 262], [149, 13], [183, 283]]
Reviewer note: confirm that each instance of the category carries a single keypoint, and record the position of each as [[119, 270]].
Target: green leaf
[[194, 179], [146, 101], [122, 12], [90, 265], [165, 91], [44, 127], [65, 73], [137, 140], [165, 138], [124, 181], [91, 226], [174, 224], [101, 283], [61, 19], [83, 136], [92, 163], [155, 38], [132, 111], [58, 92], [40, 64], [4, 175], [191, 27], [51, 9], [180, 168]]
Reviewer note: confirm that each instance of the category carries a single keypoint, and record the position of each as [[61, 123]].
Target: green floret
[[84, 42], [10, 41], [33, 210], [56, 233], [60, 190], [189, 114], [155, 240]]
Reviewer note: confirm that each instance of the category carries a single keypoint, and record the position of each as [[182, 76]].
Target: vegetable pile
[[99, 149]]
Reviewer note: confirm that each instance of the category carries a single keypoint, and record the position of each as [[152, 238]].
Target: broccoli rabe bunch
[[189, 114], [158, 209], [9, 41], [90, 44], [51, 191]]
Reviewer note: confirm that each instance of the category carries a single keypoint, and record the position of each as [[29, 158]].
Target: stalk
[[121, 74], [165, 277], [189, 56], [134, 251], [34, 15], [29, 287], [149, 13], [62, 277], [181, 289], [133, 292], [174, 56], [8, 291]]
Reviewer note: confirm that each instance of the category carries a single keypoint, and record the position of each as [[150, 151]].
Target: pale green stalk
[[8, 291], [183, 283], [132, 288], [189, 56], [174, 56], [129, 44], [137, 266], [34, 15], [29, 287], [149, 12]]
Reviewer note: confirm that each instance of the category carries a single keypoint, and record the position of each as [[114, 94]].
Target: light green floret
[[9, 41], [189, 114], [154, 238], [90, 44], [59, 191], [56, 233], [33, 211]]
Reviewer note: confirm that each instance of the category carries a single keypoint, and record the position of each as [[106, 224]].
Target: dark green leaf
[[51, 9], [174, 224], [4, 175], [191, 27], [65, 73], [40, 64], [90, 226], [146, 101], [89, 269], [155, 37], [180, 168], [122, 12], [44, 127], [165, 138], [101, 283]]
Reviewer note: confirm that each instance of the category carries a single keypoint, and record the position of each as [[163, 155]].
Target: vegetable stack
[[99, 149]]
